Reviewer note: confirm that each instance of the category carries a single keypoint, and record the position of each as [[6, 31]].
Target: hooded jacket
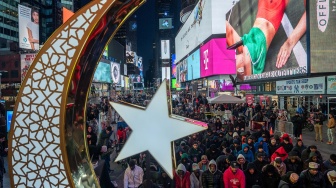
[[270, 181], [328, 180], [248, 155], [242, 166], [252, 179], [305, 154], [299, 149], [281, 169], [234, 180], [196, 182], [183, 182], [280, 152], [296, 167], [212, 152], [212, 179], [264, 144]]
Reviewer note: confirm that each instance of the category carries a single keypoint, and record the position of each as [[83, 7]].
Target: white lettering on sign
[[322, 13]]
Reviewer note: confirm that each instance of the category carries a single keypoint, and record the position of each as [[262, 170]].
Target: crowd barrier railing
[[284, 127]]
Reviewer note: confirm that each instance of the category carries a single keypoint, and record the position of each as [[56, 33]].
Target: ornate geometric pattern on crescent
[[37, 159]]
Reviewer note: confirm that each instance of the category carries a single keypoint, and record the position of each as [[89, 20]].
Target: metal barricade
[[257, 125], [282, 127]]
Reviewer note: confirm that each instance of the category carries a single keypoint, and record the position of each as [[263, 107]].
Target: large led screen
[[269, 38], [29, 33], [216, 59], [115, 72], [173, 66], [206, 19], [103, 73], [193, 62], [165, 73], [322, 24], [26, 61], [165, 49]]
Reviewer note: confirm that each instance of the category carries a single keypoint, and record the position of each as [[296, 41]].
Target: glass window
[[14, 74]]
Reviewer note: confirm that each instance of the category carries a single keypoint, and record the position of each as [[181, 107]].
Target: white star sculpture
[[155, 128]]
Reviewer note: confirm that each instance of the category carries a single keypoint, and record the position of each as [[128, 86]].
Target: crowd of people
[[228, 154]]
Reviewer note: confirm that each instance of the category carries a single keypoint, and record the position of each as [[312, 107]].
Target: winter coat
[[296, 167], [248, 155], [281, 169], [232, 180], [183, 182], [260, 164], [328, 166], [280, 152], [270, 181], [286, 183], [196, 182], [235, 150], [212, 153], [272, 148], [252, 179], [328, 181], [299, 149], [305, 154], [310, 181], [212, 179], [288, 147], [264, 144]]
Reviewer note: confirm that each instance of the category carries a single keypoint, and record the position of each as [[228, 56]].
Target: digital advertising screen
[[165, 23], [115, 72], [26, 61], [29, 33], [216, 59], [193, 62], [9, 115], [102, 73], [165, 73], [206, 19], [165, 49], [173, 66], [173, 83], [322, 27], [269, 38]]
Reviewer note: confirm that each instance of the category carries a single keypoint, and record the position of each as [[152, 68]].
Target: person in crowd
[[182, 148], [272, 118], [270, 177], [331, 128], [165, 181], [235, 147], [204, 163], [104, 141], [218, 124], [330, 178], [312, 177], [181, 177], [185, 161], [286, 145], [196, 177], [121, 135], [246, 153], [280, 166], [260, 162], [330, 164], [273, 146], [195, 152], [91, 137], [194, 138], [299, 147], [305, 153], [212, 153], [229, 135], [234, 177], [297, 121], [242, 164], [318, 123], [263, 144], [290, 180], [280, 152], [282, 118], [251, 144], [313, 158], [293, 163], [212, 178], [133, 176], [252, 176]]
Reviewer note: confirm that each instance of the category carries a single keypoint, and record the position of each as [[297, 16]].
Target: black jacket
[[296, 167], [310, 181], [252, 179]]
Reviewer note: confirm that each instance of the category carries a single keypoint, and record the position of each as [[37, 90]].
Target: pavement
[[118, 174]]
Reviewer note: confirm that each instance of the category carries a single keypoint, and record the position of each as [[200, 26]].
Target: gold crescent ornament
[[47, 146]]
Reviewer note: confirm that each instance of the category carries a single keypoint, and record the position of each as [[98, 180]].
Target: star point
[[155, 128]]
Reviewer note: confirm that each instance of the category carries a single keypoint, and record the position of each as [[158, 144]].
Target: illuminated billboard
[[322, 27], [165, 23], [216, 59], [268, 45], [206, 19], [115, 72], [165, 49], [173, 65], [165, 73], [26, 61], [193, 62], [103, 72], [28, 28]]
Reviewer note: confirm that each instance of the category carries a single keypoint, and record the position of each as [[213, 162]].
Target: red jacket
[[232, 180], [182, 182], [280, 152]]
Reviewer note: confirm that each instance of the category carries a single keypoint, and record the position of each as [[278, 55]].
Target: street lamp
[[1, 71]]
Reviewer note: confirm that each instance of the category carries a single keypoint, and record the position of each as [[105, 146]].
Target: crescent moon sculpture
[[47, 146]]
